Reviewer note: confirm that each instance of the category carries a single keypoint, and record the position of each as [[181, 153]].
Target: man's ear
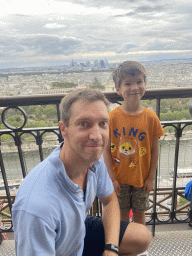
[[62, 127]]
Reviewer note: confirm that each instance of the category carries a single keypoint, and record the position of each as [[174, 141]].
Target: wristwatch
[[112, 247]]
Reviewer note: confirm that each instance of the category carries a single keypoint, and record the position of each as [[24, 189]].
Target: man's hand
[[148, 185], [117, 187]]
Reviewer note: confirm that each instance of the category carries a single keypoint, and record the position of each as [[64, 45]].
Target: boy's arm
[[108, 163], [149, 183]]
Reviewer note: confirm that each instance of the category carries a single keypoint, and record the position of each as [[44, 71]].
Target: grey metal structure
[[37, 133], [167, 243]]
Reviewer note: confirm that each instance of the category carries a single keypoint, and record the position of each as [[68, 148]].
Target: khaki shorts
[[133, 198]]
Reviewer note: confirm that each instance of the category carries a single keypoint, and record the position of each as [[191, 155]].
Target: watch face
[[112, 247]]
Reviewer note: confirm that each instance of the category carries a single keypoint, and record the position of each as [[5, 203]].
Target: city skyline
[[98, 74], [82, 65], [53, 32]]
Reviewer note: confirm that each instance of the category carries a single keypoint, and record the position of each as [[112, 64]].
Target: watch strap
[[112, 247]]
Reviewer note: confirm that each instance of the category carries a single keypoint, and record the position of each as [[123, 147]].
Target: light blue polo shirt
[[50, 210]]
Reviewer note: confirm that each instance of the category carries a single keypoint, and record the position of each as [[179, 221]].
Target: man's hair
[[127, 68], [84, 95]]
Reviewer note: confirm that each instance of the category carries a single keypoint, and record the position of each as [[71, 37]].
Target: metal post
[[18, 144], [39, 142], [154, 214], [178, 134], [5, 184]]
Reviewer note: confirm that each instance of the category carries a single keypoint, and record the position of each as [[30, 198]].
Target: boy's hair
[[84, 95], [127, 68]]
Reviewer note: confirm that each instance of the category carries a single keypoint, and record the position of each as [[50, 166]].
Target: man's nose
[[95, 133]]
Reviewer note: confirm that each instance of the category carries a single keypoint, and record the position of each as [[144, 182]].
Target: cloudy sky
[[53, 32]]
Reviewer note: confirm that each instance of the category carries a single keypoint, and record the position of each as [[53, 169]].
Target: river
[[165, 164]]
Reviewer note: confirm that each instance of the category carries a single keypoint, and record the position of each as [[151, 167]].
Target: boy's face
[[132, 87]]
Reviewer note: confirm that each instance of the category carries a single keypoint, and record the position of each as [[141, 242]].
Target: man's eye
[[128, 84], [84, 124], [103, 123]]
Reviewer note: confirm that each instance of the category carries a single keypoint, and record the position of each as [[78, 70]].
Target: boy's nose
[[135, 87]]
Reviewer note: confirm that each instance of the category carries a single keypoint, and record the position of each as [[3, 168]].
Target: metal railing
[[159, 212]]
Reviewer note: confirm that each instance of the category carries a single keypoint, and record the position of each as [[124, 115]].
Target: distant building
[[88, 64], [72, 64], [102, 64], [96, 63]]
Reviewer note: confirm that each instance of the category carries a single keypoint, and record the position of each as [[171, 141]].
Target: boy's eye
[[127, 84]]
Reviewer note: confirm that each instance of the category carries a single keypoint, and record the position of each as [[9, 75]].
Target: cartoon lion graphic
[[128, 150]]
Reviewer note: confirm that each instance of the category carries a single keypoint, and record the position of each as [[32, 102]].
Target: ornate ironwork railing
[[167, 204]]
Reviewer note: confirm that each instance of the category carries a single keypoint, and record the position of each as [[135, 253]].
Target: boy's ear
[[62, 127]]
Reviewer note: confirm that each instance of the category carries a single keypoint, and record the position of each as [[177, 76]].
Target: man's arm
[[33, 236], [108, 163], [111, 221], [149, 183]]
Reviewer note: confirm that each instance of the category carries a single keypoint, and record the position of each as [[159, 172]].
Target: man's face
[[88, 131]]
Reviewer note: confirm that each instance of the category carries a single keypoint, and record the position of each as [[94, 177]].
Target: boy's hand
[[117, 187], [148, 185]]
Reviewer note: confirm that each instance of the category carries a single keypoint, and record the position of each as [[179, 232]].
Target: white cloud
[[44, 7], [84, 29], [54, 26]]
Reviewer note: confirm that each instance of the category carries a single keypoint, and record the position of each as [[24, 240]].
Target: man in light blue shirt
[[50, 211]]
